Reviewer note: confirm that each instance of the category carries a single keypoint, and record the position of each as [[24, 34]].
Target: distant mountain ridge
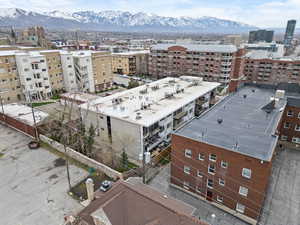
[[119, 21]]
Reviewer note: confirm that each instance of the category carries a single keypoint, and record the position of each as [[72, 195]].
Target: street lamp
[[1, 102]]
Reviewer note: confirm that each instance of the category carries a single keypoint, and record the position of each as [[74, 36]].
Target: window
[[212, 157], [290, 113], [211, 169], [187, 169], [224, 164], [221, 182], [240, 208], [297, 127], [286, 125], [201, 156], [199, 174], [283, 138], [219, 198], [243, 191], [188, 153], [296, 140], [28, 79], [210, 183], [186, 185], [198, 189], [246, 173]]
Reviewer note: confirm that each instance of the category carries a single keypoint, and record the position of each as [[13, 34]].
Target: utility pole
[[144, 167], [67, 162], [34, 120]]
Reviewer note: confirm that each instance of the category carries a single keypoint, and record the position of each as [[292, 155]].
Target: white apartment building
[[84, 70], [68, 68], [33, 75], [140, 119]]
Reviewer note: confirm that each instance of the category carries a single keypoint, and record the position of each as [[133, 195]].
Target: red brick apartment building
[[225, 155], [212, 62], [266, 70]]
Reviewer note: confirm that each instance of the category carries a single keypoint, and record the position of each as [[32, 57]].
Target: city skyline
[[268, 13]]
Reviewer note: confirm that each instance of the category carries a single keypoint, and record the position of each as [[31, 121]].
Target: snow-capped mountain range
[[119, 21]]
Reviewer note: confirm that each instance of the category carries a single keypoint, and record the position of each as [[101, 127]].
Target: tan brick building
[[10, 86], [102, 69], [131, 63], [55, 70]]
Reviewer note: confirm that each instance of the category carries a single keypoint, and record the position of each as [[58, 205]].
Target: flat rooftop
[[158, 105], [200, 48], [24, 113], [130, 53], [245, 124]]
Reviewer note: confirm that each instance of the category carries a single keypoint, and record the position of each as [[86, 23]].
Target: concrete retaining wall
[[82, 158]]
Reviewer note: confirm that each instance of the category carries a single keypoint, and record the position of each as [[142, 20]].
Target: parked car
[[105, 185]]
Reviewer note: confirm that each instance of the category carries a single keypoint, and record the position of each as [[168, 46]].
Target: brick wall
[[18, 125], [257, 185]]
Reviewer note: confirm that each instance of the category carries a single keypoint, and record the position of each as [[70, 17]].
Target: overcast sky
[[262, 13]]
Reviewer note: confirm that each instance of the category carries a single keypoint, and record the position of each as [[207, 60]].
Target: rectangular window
[[221, 182], [188, 153], [240, 208], [246, 173], [211, 169], [283, 138], [210, 183], [212, 157], [186, 185], [243, 191], [224, 164], [199, 174], [219, 198], [201, 156], [297, 127], [187, 169], [286, 125], [296, 140], [290, 113]]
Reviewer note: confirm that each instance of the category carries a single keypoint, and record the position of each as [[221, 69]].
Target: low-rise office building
[[140, 119], [225, 155]]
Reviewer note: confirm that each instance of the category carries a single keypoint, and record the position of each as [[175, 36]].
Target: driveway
[[204, 210], [33, 184]]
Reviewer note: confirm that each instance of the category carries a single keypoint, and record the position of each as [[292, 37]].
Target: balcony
[[180, 115], [226, 63]]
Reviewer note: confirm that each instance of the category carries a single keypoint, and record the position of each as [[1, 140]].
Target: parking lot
[[282, 204], [33, 184]]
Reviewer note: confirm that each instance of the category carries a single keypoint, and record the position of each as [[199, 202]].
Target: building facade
[[102, 69], [261, 36], [217, 156], [211, 62], [269, 70], [289, 33], [140, 119], [10, 85], [130, 63]]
